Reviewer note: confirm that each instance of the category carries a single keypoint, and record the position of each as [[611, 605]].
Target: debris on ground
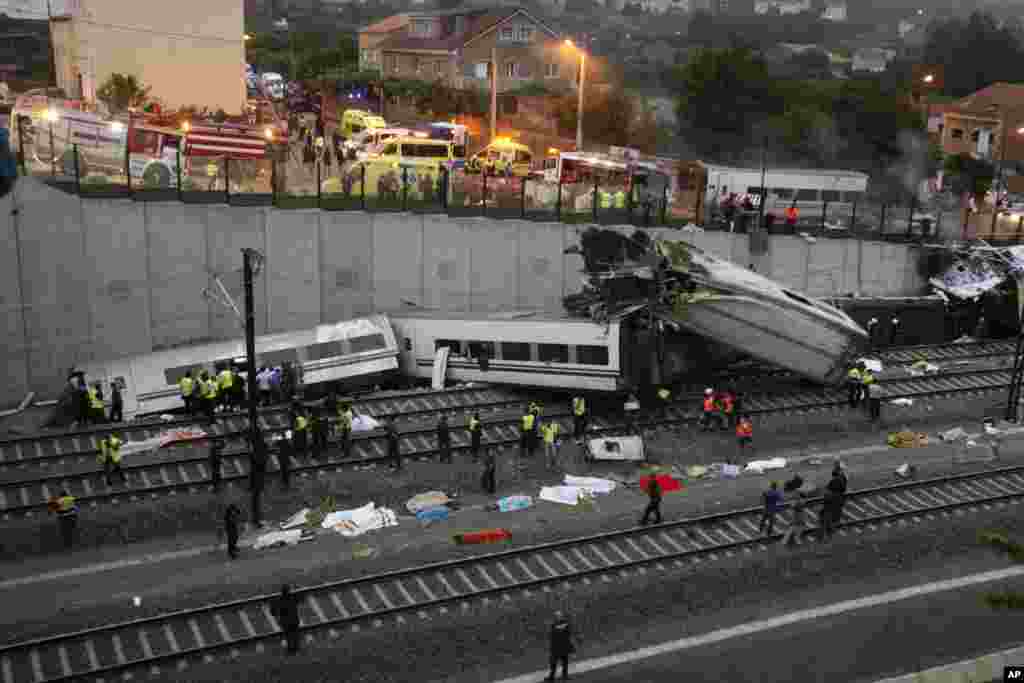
[[358, 521], [566, 495], [430, 499], [954, 434], [162, 440], [298, 519], [626, 448], [906, 471], [872, 364], [730, 471], [759, 466], [433, 514], [923, 367], [696, 471], [666, 483], [592, 484], [278, 538], [364, 423], [363, 552], [482, 536], [514, 503], [907, 439], [902, 402]]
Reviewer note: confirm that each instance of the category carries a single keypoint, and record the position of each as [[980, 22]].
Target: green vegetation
[[1015, 551], [121, 91], [303, 55]]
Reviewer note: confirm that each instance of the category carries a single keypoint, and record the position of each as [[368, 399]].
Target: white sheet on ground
[[872, 364], [422, 501], [162, 439], [616, 448], [289, 537], [360, 520], [594, 484], [902, 402], [762, 465], [567, 495], [298, 519], [364, 423]]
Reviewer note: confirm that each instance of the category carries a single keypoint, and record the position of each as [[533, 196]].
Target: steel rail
[[907, 354], [25, 497], [116, 649]]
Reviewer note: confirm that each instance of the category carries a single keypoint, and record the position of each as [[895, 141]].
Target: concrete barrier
[[91, 278]]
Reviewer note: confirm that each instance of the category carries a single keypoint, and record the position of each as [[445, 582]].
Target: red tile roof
[[387, 25], [986, 100], [477, 22]]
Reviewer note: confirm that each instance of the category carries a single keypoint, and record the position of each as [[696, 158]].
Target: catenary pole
[[250, 363]]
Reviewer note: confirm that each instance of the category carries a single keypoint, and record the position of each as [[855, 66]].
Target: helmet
[[709, 391]]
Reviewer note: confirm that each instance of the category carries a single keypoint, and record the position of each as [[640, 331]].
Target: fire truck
[[150, 146]]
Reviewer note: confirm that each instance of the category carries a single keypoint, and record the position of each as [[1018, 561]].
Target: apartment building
[[978, 123], [455, 47]]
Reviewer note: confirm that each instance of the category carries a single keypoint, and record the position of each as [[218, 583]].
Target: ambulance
[[502, 157], [356, 120]]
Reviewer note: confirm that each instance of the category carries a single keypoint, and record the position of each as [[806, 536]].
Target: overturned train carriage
[[686, 288], [356, 351]]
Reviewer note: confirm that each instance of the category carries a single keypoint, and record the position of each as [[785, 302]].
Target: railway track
[[26, 497], [176, 638]]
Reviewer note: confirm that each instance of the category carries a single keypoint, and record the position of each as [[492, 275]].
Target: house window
[[508, 34], [420, 27], [438, 66], [524, 34], [551, 70], [512, 70], [958, 134], [480, 70]]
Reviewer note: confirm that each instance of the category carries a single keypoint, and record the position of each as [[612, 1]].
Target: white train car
[[358, 348], [528, 349]]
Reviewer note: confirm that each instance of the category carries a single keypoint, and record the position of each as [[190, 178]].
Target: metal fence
[[335, 185]]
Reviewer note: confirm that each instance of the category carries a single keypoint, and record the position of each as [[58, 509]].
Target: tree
[[121, 91], [970, 176], [974, 52], [610, 117]]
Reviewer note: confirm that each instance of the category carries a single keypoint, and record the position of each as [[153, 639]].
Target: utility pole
[[494, 93], [579, 102], [248, 256]]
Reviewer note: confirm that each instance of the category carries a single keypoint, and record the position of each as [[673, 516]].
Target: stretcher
[[617, 448]]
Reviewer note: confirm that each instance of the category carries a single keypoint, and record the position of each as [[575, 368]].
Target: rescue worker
[[867, 378], [744, 433], [225, 383], [346, 416], [110, 458], [799, 523], [318, 428], [490, 470], [475, 434], [792, 216], [729, 409], [285, 449], [872, 328], [81, 400], [96, 404], [444, 439], [875, 393], [231, 517], [216, 453], [67, 516], [300, 430], [835, 497], [238, 388], [653, 502], [664, 398], [526, 428], [209, 396], [630, 408], [116, 402], [709, 413], [263, 382], [772, 502], [561, 646], [853, 385], [286, 611], [579, 418], [186, 385], [394, 450], [550, 430]]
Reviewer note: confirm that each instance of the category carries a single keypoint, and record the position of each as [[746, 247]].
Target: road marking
[[751, 628]]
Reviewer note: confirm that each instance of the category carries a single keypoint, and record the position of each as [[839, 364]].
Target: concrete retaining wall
[[85, 279]]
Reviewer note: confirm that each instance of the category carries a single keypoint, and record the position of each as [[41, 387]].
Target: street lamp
[[579, 105], [51, 116]]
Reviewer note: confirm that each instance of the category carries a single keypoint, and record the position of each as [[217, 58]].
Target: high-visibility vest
[[225, 379], [474, 424], [528, 422], [605, 199], [185, 384], [744, 429], [867, 378], [709, 404], [664, 394], [211, 388], [301, 424], [110, 449], [533, 407], [579, 406], [620, 200], [853, 375], [727, 402], [550, 431], [66, 506], [94, 400], [346, 419], [792, 213]]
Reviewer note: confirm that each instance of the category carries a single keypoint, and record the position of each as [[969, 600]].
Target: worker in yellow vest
[[225, 386], [300, 430], [853, 385], [110, 458], [345, 418], [527, 433], [187, 388], [579, 418], [209, 394], [66, 509], [550, 430], [619, 199], [95, 405]]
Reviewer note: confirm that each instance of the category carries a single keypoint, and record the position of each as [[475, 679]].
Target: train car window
[[368, 342], [331, 349], [830, 195], [481, 348], [454, 347], [515, 351], [275, 358], [782, 192], [174, 375], [553, 353], [592, 355], [807, 195], [797, 297]]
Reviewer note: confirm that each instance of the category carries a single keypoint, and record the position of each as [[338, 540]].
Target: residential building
[[189, 52], [455, 47], [975, 124]]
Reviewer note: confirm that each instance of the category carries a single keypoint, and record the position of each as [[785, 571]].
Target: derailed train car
[[685, 287]]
